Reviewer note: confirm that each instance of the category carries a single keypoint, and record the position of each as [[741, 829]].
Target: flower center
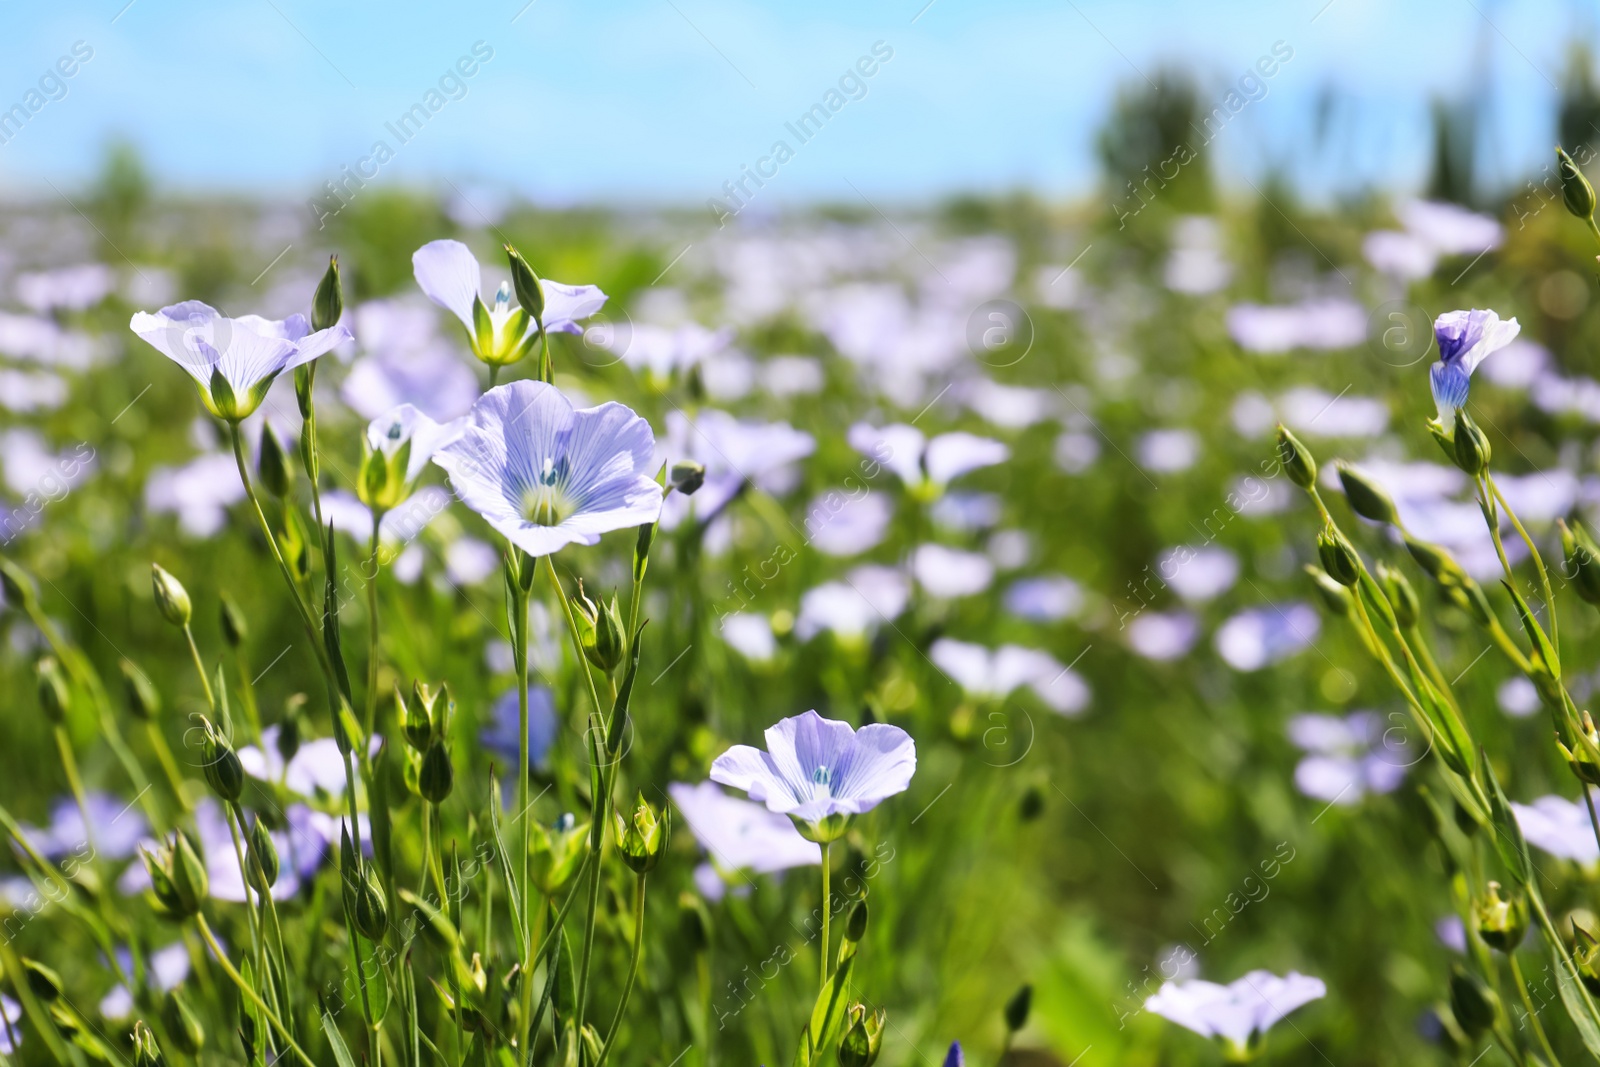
[[502, 297], [545, 501], [822, 776]]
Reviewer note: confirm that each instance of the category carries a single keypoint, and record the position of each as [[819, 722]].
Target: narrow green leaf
[[828, 1011], [1577, 1009], [1508, 840], [507, 869], [341, 1051], [1541, 643]]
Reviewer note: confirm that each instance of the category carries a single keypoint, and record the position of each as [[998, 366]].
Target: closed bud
[[224, 773], [272, 466], [856, 926], [437, 777], [1366, 499], [172, 600], [263, 857], [17, 585], [1031, 806], [1475, 1005], [686, 476], [1436, 561], [373, 479], [694, 920], [1502, 919], [416, 720], [1017, 1008], [372, 912], [600, 630], [1583, 561], [642, 839], [292, 726], [144, 702], [1335, 597], [234, 628], [183, 1026], [53, 695], [1575, 188], [863, 1037], [530, 294], [1472, 452], [43, 982], [1338, 558], [1581, 756], [1296, 459], [146, 1053], [1586, 954], [1402, 598], [305, 382], [188, 873], [327, 306], [555, 852]]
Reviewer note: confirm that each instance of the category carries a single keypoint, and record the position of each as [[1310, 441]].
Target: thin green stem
[[200, 668], [235, 828], [827, 912], [244, 987], [1533, 1016], [1538, 561], [633, 970], [372, 625], [69, 764], [494, 374]]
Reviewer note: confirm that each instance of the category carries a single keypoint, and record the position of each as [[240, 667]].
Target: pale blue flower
[[815, 768], [500, 737], [1465, 339], [739, 834], [391, 431], [233, 361], [1240, 1014], [546, 475]]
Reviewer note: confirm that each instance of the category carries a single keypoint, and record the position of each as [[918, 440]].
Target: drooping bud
[[1436, 561], [327, 306], [1031, 806], [1297, 461], [686, 476], [144, 702], [600, 630], [1366, 499], [263, 857], [1575, 188], [1502, 920], [183, 1026], [1402, 598], [292, 726], [1017, 1008], [1335, 597], [54, 699], [642, 839], [1472, 452], [224, 773], [863, 1037], [172, 600], [1338, 558], [437, 776], [146, 1053], [1475, 1005], [1583, 561]]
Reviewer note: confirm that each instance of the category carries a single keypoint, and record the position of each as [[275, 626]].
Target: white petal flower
[[547, 475], [1235, 1013], [389, 432]]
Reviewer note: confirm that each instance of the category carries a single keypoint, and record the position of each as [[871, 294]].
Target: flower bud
[[17, 585], [863, 1037], [1586, 954], [224, 773], [1402, 598], [437, 777], [856, 926], [234, 628], [416, 724], [1502, 920], [1583, 561], [1580, 758], [305, 381], [642, 839], [1297, 461], [272, 467], [1017, 1008], [1338, 558], [327, 306], [292, 726], [1366, 499], [600, 630], [146, 1053], [1335, 597], [263, 859], [144, 702], [1475, 1005], [530, 294], [1472, 452], [183, 1026], [1575, 188], [1436, 561], [43, 982], [555, 852], [686, 476], [171, 598], [641, 550], [54, 698], [372, 912], [178, 878]]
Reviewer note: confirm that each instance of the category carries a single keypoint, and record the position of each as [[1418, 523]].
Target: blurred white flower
[[854, 607], [1518, 697], [1046, 598], [993, 674], [69, 288], [950, 572], [1316, 324], [1168, 451], [1351, 756], [732, 451], [739, 834], [1163, 635], [924, 465], [1199, 573], [839, 525], [750, 635], [1559, 826], [1257, 637], [1239, 1014]]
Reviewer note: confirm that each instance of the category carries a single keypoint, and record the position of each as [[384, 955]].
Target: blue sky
[[662, 101]]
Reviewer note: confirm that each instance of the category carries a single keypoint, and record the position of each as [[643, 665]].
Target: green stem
[[200, 668], [1533, 1016], [1538, 561], [235, 828], [244, 987], [372, 626], [69, 764], [494, 374], [827, 912], [633, 970]]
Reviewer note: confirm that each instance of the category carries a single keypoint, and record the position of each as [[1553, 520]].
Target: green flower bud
[[183, 1026], [600, 631], [1502, 920], [305, 381], [146, 1053], [17, 585], [1472, 452], [1338, 558], [1583, 561], [530, 294], [1474, 1004], [1586, 954], [437, 777], [1439, 564], [1017, 1008], [263, 858], [54, 698], [1335, 597], [856, 926], [188, 872], [1402, 598], [234, 629], [272, 467], [224, 773], [372, 912], [641, 550], [44, 982], [292, 726], [642, 839], [555, 852], [863, 1037], [1579, 757], [1031, 806], [1297, 461], [1366, 499], [144, 702], [327, 306], [1575, 188], [172, 600], [686, 476], [416, 724]]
